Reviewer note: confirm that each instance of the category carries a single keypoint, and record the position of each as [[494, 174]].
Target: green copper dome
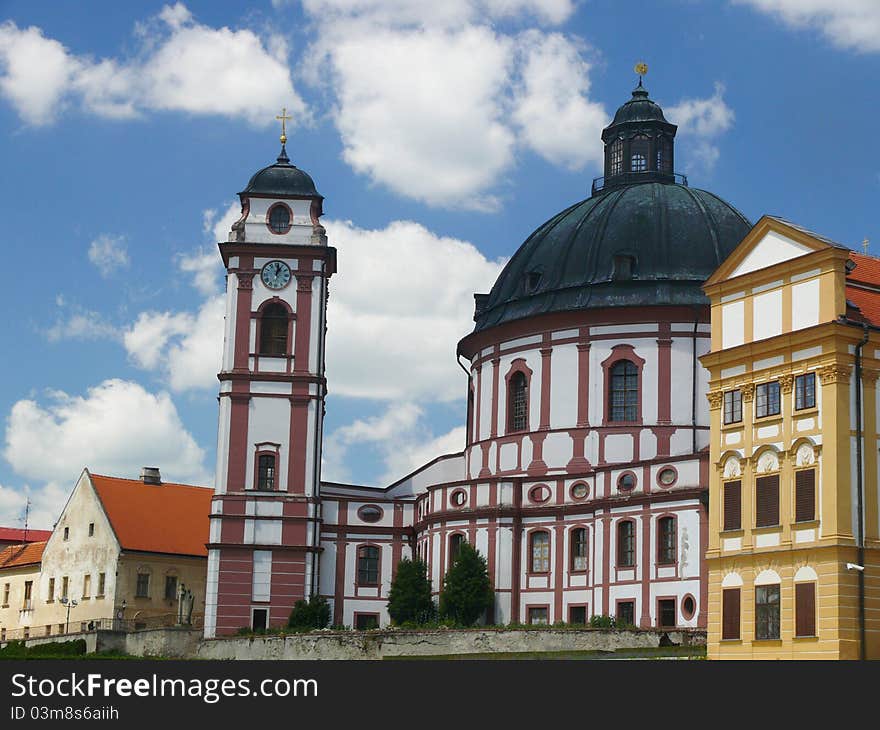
[[282, 180], [644, 244]]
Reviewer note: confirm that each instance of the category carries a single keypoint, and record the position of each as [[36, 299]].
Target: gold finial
[[283, 117], [865, 245], [641, 69]]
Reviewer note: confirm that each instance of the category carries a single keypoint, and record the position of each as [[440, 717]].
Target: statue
[[185, 603]]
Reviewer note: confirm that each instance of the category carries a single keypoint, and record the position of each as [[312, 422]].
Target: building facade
[[584, 476], [794, 536]]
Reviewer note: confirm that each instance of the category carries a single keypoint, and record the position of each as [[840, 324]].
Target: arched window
[[624, 392], [540, 550], [517, 403], [666, 539], [368, 565], [615, 158], [266, 472], [639, 150], [455, 542], [273, 330], [578, 550], [279, 218], [626, 544]]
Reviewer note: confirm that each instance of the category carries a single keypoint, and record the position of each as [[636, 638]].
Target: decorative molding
[[786, 383], [245, 280], [748, 392], [716, 398], [834, 373], [870, 376]]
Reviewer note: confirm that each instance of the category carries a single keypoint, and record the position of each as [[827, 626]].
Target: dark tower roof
[[642, 238], [282, 180]]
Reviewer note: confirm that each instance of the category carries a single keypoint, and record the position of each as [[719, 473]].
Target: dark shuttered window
[[733, 505], [767, 501], [805, 495], [730, 613], [804, 609]]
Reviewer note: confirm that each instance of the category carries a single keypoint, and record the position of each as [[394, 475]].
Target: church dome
[[643, 244], [282, 180], [643, 238]]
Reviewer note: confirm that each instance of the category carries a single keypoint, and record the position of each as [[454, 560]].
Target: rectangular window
[[101, 581], [266, 472], [28, 592], [538, 615], [66, 533], [540, 552], [666, 613], [366, 621], [767, 501], [626, 544], [733, 406], [804, 609], [805, 495], [578, 550], [48, 629], [170, 587], [767, 612], [6, 595], [733, 505], [51, 597], [730, 607], [666, 540], [91, 529], [87, 586], [143, 586], [577, 614], [368, 566], [805, 391], [65, 582], [767, 401], [626, 613], [260, 619]]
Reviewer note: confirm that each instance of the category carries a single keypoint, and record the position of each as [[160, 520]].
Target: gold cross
[[865, 245], [283, 117]]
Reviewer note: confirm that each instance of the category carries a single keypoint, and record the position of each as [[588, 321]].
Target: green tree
[[311, 614], [467, 591], [409, 599]]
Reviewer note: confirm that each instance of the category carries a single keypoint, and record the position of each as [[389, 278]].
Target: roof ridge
[[163, 484]]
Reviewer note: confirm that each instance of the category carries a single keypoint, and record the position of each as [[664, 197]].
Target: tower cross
[[283, 117]]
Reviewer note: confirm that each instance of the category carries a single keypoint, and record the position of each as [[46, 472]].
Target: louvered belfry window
[[805, 495], [733, 505], [273, 330], [730, 606], [767, 501], [804, 609], [517, 403]]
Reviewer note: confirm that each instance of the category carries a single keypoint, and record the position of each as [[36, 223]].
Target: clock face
[[276, 274]]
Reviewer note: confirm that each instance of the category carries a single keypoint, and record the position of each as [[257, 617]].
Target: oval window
[[370, 513], [279, 218], [688, 606], [580, 490], [626, 482], [539, 494], [667, 476], [458, 498]]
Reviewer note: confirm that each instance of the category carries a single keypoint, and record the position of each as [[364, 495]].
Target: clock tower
[[265, 515]]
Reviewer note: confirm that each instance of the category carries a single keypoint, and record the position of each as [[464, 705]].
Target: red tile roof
[[16, 556], [863, 287], [156, 518], [17, 535]]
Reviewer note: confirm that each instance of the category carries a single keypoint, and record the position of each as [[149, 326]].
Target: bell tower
[[265, 514]]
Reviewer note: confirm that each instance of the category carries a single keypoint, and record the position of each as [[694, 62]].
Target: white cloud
[[206, 267], [109, 254], [852, 24], [116, 428], [181, 65], [552, 106], [219, 227], [76, 323], [399, 434], [417, 305], [46, 503], [702, 121], [415, 117]]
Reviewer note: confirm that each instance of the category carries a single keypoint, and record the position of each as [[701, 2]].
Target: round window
[[539, 494], [667, 476], [279, 218], [626, 482], [370, 513], [458, 498], [580, 490], [688, 606]]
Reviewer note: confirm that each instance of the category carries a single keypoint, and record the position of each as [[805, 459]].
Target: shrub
[[18, 649], [602, 622], [311, 614], [409, 600], [467, 592]]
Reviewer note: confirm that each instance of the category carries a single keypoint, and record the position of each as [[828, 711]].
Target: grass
[[659, 652]]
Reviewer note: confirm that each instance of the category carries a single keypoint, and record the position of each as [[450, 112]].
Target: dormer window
[[533, 279], [624, 267], [279, 218]]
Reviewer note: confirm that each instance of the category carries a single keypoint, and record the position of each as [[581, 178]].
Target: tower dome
[[643, 238], [282, 180]]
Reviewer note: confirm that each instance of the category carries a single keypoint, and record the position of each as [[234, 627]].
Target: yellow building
[[793, 459]]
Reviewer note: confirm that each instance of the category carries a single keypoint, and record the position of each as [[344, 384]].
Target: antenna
[[865, 245], [27, 511]]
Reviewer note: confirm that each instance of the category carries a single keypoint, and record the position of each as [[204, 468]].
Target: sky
[[441, 135]]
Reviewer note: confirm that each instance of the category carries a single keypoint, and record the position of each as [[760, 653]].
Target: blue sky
[[441, 135]]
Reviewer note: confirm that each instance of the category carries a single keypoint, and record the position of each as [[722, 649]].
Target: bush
[[18, 649], [602, 622], [311, 614], [409, 600], [467, 592]]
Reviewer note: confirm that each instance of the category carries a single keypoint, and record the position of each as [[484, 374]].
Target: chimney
[[150, 475]]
